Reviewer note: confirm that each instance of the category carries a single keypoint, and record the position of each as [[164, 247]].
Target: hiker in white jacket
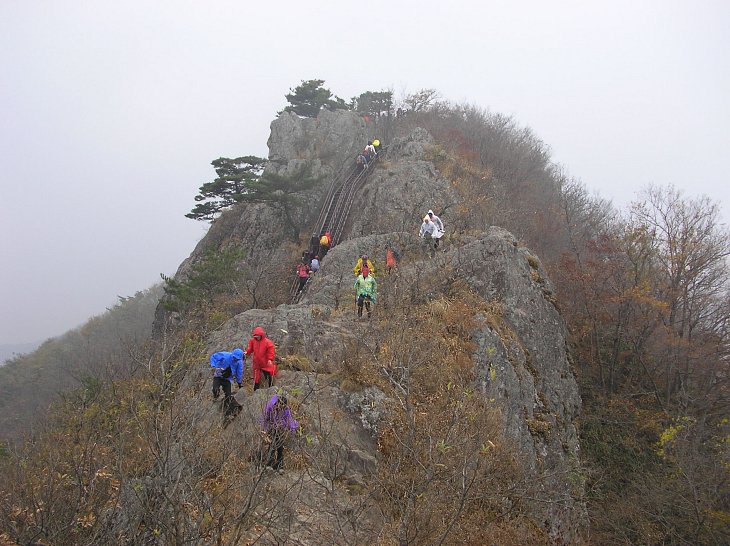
[[428, 228], [436, 220]]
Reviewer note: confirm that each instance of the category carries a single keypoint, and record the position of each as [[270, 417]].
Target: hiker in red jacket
[[264, 354]]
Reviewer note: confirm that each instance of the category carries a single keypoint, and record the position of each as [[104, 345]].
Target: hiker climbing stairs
[[334, 213]]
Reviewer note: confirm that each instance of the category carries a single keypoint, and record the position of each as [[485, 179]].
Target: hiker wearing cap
[[277, 422], [227, 368], [264, 354], [365, 288], [364, 261]]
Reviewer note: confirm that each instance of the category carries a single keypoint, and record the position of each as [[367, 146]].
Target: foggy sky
[[111, 112]]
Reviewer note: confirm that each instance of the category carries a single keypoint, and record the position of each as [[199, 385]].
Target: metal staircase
[[335, 211]]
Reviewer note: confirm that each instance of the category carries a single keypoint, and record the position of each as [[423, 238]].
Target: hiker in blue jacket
[[228, 367]]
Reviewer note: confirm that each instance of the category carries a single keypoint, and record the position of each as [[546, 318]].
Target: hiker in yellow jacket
[[364, 260]]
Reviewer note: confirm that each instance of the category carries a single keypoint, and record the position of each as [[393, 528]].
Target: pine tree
[[281, 191], [310, 97], [218, 271], [233, 181], [375, 103]]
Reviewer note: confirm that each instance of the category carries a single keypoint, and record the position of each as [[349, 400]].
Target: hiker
[[370, 152], [436, 220], [364, 261], [325, 242], [277, 422], [315, 265], [227, 367], [427, 231], [392, 257], [361, 162], [307, 256], [365, 289], [438, 232], [376, 145], [302, 274], [264, 354]]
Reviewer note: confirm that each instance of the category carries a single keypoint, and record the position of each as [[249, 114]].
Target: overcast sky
[[111, 112]]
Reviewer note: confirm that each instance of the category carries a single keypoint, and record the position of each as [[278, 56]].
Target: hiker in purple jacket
[[277, 422]]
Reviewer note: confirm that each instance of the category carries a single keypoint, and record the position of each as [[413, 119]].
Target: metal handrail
[[325, 209]]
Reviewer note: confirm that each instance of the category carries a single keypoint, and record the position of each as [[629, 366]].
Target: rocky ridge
[[520, 356]]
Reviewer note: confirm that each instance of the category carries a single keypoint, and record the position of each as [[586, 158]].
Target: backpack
[[302, 271], [324, 241]]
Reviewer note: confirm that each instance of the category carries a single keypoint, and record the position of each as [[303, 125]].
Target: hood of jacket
[[258, 331]]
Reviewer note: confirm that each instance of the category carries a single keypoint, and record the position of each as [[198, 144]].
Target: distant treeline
[[11, 350], [98, 349]]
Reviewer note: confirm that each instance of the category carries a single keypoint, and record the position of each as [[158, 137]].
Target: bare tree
[[690, 248]]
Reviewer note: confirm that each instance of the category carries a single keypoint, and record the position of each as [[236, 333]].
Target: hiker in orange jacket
[[264, 354], [391, 258]]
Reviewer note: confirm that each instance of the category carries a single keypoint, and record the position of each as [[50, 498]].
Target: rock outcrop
[[333, 138], [327, 146], [520, 360], [404, 173], [520, 357]]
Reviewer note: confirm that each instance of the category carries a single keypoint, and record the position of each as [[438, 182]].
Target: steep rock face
[[523, 366], [327, 145], [333, 137]]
